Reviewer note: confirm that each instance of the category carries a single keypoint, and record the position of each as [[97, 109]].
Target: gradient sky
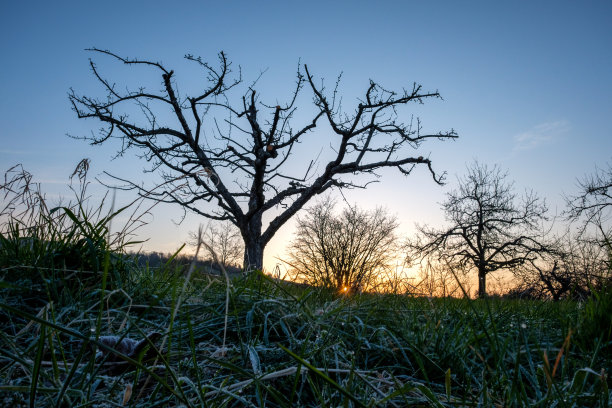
[[526, 85]]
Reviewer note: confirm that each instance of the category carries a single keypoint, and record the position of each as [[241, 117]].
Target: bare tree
[[592, 209], [222, 241], [442, 280], [343, 251], [491, 228], [592, 206], [222, 153]]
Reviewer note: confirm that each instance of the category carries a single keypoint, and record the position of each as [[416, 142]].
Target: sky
[[526, 85]]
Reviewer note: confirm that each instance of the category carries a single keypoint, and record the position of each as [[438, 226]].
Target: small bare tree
[[222, 241], [490, 227], [343, 251], [223, 154], [442, 280]]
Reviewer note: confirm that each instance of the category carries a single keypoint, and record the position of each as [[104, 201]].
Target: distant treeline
[[156, 260]]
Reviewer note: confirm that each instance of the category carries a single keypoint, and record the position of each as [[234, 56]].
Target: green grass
[[289, 346], [258, 342]]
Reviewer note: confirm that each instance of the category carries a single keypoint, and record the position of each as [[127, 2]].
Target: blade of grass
[[323, 376], [68, 379], [36, 369]]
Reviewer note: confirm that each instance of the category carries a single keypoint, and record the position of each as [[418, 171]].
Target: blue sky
[[526, 85]]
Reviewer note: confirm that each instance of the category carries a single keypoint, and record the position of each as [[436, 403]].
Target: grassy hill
[[85, 324], [258, 342]]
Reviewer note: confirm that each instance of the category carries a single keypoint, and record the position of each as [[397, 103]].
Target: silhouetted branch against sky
[[592, 206], [223, 153]]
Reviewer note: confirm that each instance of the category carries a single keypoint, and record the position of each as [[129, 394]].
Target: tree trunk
[[482, 283], [253, 244], [253, 256]]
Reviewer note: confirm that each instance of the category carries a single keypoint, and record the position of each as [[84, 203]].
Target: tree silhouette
[[490, 227], [223, 242], [223, 154], [342, 251], [592, 208], [593, 204], [571, 267]]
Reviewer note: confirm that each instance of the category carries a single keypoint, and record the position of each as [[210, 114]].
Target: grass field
[[208, 341], [267, 343]]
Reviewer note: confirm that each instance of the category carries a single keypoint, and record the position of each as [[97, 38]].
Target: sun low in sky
[[526, 85]]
